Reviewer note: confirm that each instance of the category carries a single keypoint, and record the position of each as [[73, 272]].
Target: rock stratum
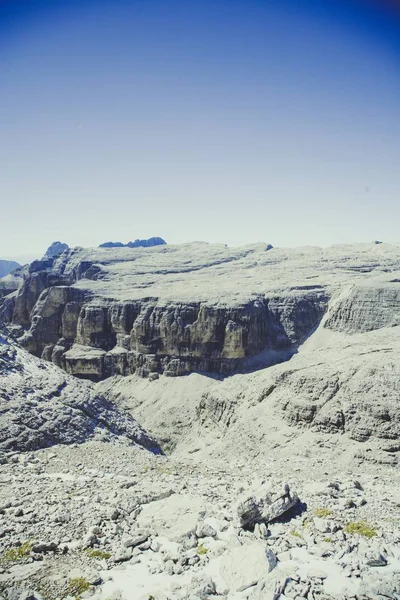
[[198, 307]]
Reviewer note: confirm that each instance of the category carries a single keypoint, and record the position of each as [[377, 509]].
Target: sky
[[232, 121]]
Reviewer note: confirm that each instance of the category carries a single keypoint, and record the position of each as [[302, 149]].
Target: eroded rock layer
[[196, 307]]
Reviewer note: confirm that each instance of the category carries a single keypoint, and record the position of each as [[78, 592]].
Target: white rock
[[243, 567]]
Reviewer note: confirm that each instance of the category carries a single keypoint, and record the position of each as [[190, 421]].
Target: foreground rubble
[[106, 522]]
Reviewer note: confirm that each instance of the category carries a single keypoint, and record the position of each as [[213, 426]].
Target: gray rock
[[123, 555], [266, 507], [204, 530], [202, 586], [41, 407], [55, 249], [137, 539], [244, 566]]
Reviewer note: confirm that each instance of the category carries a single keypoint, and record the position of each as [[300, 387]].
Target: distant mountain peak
[[6, 266], [55, 249], [153, 241]]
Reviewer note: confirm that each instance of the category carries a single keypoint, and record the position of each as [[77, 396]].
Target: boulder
[[245, 566], [265, 506]]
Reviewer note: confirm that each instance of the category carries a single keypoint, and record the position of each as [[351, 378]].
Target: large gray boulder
[[244, 566], [265, 506]]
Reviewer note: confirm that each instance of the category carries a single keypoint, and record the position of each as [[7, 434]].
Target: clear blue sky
[[222, 120]]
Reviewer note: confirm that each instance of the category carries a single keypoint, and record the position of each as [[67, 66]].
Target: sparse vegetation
[[17, 553], [295, 533], [201, 549], [164, 470], [306, 523], [328, 540], [78, 585], [96, 553], [322, 512], [360, 528]]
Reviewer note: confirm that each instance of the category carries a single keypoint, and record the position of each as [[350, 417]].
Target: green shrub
[[360, 528], [78, 585], [17, 553], [322, 512], [201, 549], [295, 533], [96, 553]]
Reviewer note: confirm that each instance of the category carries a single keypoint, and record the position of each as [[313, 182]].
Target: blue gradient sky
[[222, 120]]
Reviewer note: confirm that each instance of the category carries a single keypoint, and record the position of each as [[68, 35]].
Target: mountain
[[31, 388], [281, 442], [55, 249], [6, 266], [154, 241], [195, 307]]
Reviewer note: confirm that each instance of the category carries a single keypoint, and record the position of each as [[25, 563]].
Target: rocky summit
[[55, 249], [200, 422], [153, 241]]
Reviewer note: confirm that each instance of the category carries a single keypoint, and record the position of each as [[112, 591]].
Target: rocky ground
[[112, 521]]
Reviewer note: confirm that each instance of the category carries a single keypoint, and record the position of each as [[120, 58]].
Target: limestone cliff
[[197, 307]]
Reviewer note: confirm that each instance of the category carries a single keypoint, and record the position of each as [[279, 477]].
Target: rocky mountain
[[41, 406], [198, 307], [153, 241], [55, 249], [280, 444], [6, 266]]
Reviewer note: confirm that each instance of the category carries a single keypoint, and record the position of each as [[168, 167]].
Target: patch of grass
[[95, 553], [164, 470], [307, 523], [322, 512], [360, 528], [201, 549], [328, 540], [77, 585], [295, 533], [17, 553]]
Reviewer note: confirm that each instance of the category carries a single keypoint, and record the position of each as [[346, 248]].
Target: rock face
[[196, 307], [153, 241], [55, 249], [41, 407], [367, 307], [6, 266]]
